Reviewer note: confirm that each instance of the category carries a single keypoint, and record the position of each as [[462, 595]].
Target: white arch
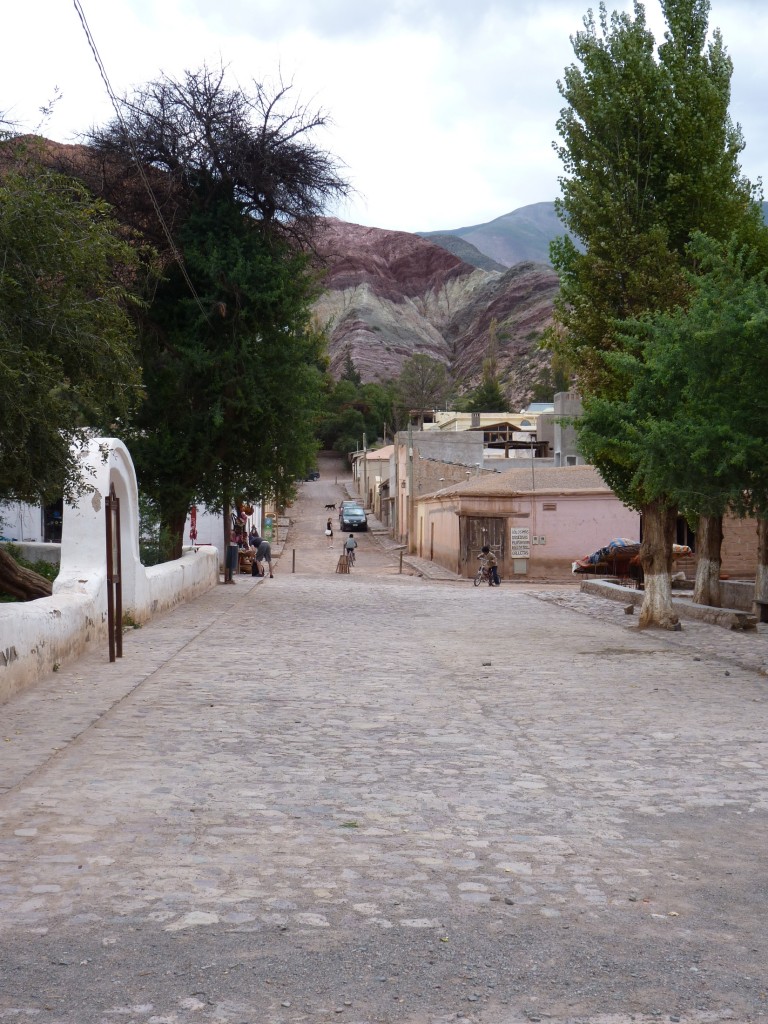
[[106, 463]]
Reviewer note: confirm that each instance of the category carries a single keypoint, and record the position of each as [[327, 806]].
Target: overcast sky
[[443, 110]]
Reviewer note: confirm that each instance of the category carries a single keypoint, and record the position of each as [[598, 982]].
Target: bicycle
[[483, 574], [350, 553]]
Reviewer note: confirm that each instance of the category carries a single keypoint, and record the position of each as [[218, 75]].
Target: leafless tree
[[196, 135]]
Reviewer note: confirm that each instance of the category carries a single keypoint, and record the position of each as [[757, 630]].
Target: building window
[[52, 518]]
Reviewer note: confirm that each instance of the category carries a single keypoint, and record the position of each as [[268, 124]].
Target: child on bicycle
[[492, 564], [349, 546]]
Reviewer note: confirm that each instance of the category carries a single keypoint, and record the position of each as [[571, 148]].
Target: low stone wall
[[38, 636], [738, 594], [183, 580], [728, 617]]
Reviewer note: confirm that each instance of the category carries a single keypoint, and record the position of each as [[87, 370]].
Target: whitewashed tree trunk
[[761, 575], [709, 540], [656, 558]]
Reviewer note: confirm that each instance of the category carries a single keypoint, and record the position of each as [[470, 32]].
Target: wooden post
[[114, 576]]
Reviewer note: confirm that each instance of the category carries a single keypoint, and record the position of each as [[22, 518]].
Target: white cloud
[[444, 112]]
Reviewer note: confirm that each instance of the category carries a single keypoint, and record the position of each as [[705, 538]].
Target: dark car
[[313, 474], [353, 518]]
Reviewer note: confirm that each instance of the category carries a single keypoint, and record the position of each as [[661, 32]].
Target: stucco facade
[[537, 524]]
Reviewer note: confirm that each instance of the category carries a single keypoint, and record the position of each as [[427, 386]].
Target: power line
[[139, 166]]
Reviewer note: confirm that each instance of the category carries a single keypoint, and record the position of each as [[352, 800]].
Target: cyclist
[[491, 563], [349, 547]]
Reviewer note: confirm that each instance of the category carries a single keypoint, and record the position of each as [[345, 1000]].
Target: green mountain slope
[[523, 235], [517, 237]]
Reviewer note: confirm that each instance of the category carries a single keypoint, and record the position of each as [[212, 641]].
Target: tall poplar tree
[[650, 155]]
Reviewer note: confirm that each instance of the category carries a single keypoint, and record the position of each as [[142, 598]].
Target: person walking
[[329, 532]]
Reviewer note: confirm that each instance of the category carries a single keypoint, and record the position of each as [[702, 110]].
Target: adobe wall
[[739, 550]]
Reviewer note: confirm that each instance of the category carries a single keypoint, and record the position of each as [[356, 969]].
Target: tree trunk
[[227, 513], [24, 584], [656, 557], [761, 575], [174, 523], [709, 539]]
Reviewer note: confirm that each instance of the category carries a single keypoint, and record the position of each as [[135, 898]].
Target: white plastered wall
[[37, 636]]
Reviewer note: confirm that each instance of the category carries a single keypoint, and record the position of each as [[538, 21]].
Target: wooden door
[[475, 531]]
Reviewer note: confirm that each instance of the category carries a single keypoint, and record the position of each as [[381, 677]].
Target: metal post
[[293, 560], [401, 563]]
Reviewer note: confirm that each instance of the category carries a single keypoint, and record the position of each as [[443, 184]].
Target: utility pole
[[365, 470], [409, 518]]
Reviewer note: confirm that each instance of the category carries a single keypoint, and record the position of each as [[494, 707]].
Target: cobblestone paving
[[748, 649], [369, 797]]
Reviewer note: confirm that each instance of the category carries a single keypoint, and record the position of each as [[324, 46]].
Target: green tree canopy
[[650, 155], [353, 411], [233, 369], [67, 360], [350, 372], [232, 388], [487, 397], [691, 425], [423, 384]]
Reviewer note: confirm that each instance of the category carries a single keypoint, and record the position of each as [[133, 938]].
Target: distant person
[[329, 532], [264, 554]]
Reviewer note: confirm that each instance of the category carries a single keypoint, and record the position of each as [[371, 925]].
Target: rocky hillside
[[390, 295]]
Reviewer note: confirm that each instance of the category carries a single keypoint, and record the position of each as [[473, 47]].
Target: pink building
[[536, 520]]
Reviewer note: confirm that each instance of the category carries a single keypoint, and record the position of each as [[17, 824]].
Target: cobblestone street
[[375, 797]]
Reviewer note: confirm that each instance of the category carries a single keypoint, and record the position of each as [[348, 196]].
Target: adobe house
[[536, 520]]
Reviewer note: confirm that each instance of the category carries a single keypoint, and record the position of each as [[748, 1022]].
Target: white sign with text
[[520, 542]]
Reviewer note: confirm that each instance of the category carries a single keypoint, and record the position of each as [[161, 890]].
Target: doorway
[[475, 531]]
